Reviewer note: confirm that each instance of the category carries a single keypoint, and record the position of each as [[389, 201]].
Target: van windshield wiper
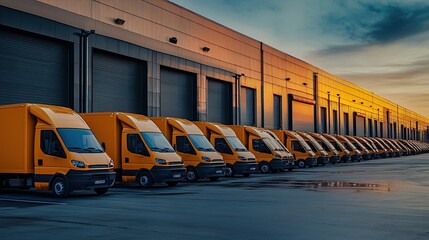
[[93, 149]]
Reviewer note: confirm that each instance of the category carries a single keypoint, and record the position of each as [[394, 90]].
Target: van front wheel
[[229, 171], [145, 180], [191, 174], [101, 191], [301, 164], [60, 187], [265, 167]]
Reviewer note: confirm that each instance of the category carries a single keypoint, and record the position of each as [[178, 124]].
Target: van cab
[[302, 152], [321, 155], [344, 153], [140, 151], [270, 156], [237, 158], [51, 148], [334, 156], [366, 154], [355, 154]]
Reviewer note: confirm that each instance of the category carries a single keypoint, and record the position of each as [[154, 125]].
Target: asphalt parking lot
[[376, 199]]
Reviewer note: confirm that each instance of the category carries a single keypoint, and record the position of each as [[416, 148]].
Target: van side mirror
[[103, 145]]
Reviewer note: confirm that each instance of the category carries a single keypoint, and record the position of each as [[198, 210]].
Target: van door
[[49, 155]]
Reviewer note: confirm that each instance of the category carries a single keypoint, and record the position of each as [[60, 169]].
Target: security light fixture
[[361, 102], [206, 49], [287, 79], [304, 83], [173, 40], [353, 100], [119, 21], [338, 94]]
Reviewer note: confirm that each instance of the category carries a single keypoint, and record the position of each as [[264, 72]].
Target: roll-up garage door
[[302, 116], [219, 101], [247, 102], [301, 113], [34, 69], [178, 94], [118, 83], [359, 125]]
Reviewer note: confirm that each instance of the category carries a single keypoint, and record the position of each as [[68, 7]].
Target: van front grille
[[217, 160], [175, 163], [98, 166]]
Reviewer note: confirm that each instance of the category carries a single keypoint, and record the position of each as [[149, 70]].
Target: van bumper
[[322, 160], [84, 180], [311, 162], [281, 164], [168, 174], [346, 158], [356, 157], [211, 170], [334, 159], [246, 167]]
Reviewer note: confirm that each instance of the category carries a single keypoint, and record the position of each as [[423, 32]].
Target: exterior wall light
[[119, 21], [173, 40], [305, 84], [206, 49]]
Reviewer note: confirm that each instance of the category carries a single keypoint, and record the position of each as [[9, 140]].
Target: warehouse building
[[156, 58]]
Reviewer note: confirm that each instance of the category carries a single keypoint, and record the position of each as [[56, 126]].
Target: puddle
[[315, 185]]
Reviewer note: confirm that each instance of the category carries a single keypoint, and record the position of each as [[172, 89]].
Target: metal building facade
[[205, 61]]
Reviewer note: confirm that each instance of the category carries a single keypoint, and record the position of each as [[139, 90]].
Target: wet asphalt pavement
[[376, 199]]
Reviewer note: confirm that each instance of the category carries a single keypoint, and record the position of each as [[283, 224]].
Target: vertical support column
[[339, 114], [84, 69], [202, 92], [262, 86], [316, 106], [329, 112], [153, 87]]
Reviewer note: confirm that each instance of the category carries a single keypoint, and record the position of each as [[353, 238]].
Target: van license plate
[[177, 175], [100, 182], [219, 171], [252, 169]]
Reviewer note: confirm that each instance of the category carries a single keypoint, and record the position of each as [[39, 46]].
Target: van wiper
[[93, 149], [239, 149]]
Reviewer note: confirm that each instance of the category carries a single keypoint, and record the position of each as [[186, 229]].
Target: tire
[[214, 179], [246, 174], [301, 164], [191, 174], [60, 187], [172, 184], [265, 167], [144, 179], [101, 191], [229, 171]]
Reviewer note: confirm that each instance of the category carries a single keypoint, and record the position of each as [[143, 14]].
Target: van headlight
[[78, 164], [242, 158], [111, 164], [160, 161], [206, 159]]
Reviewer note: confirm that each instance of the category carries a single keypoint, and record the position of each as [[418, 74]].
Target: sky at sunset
[[382, 46]]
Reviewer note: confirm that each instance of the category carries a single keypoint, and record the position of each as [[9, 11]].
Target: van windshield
[[157, 142], [201, 143], [236, 144], [80, 140]]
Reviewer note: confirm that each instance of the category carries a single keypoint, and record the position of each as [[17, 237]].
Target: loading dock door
[[34, 69], [178, 94], [301, 113], [359, 125], [247, 103], [219, 102], [118, 83]]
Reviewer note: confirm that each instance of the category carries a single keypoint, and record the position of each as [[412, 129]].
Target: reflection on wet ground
[[315, 185]]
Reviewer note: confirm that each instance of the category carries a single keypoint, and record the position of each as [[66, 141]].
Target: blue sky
[[382, 46]]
